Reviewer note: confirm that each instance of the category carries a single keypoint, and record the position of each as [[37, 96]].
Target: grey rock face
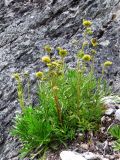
[[7, 2], [24, 29]]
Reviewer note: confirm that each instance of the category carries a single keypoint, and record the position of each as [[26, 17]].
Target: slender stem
[[56, 100], [63, 65], [39, 90], [20, 94], [78, 84], [93, 64], [101, 78], [28, 86], [58, 108]]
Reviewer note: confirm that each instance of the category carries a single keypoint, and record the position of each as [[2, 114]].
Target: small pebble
[[84, 146]]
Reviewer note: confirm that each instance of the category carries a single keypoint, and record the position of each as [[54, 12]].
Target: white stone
[[70, 155], [90, 156], [109, 111], [117, 115]]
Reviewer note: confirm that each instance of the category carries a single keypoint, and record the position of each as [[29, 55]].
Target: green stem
[[63, 65], [58, 108], [20, 94], [93, 64], [28, 86], [78, 85], [101, 78], [56, 100]]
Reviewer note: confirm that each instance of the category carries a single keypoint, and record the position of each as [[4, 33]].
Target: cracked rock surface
[[26, 26]]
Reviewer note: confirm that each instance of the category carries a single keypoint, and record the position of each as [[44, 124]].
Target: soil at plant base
[[25, 27], [100, 143]]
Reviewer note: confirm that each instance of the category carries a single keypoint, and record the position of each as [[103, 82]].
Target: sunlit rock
[[117, 115], [7, 2], [69, 155]]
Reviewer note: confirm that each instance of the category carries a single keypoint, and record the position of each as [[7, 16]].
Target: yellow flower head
[[94, 42], [16, 76], [49, 64], [48, 48], [107, 63], [87, 23], [85, 44], [93, 52], [46, 59], [26, 74], [55, 88], [54, 63], [53, 74], [63, 52], [89, 31], [39, 74], [86, 57]]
